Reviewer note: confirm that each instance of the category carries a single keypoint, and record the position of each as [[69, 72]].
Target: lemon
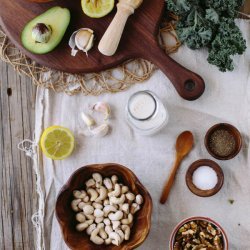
[[97, 8], [57, 142]]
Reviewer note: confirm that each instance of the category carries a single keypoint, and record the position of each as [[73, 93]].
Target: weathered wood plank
[[17, 180]]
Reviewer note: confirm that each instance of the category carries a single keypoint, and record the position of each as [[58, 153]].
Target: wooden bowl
[[173, 234], [231, 129], [66, 216], [196, 165]]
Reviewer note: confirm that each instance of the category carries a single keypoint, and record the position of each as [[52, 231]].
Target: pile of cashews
[[105, 210]]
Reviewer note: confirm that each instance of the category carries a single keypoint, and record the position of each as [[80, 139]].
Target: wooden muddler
[[111, 39]]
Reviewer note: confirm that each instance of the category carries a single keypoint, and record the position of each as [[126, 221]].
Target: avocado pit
[[41, 33]]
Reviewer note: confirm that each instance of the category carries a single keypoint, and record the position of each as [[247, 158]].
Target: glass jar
[[146, 113]]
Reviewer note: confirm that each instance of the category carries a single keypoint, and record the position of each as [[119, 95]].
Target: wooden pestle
[[111, 38]]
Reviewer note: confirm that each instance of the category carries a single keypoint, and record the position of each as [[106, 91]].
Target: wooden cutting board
[[138, 41]]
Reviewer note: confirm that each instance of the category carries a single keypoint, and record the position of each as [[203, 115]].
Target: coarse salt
[[205, 178]]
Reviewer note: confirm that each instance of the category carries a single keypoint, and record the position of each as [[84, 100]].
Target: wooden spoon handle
[[188, 84], [111, 38], [170, 181]]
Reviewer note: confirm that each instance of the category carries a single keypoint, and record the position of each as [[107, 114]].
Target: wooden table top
[[18, 199]]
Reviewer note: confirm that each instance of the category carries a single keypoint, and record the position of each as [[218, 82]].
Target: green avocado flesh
[[57, 19]]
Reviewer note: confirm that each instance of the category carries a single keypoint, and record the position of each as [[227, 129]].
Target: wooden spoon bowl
[[66, 216], [196, 165]]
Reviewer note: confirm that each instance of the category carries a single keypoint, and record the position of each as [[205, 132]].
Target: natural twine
[[111, 81]]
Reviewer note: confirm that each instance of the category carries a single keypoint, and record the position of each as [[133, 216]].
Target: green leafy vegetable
[[210, 23]]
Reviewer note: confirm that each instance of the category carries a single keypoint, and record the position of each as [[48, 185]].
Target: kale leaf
[[227, 42], [210, 24]]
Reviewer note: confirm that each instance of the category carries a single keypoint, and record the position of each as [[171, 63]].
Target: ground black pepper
[[222, 142]]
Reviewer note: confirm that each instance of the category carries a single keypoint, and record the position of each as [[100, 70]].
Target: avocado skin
[[58, 19]]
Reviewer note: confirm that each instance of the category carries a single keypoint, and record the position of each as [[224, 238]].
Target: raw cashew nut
[[124, 189], [116, 192], [116, 216], [139, 199], [79, 194], [90, 216], [81, 205], [93, 194], [74, 205], [80, 217], [125, 208], [89, 222], [127, 221], [103, 194], [130, 196], [95, 238], [88, 209], [90, 183], [86, 199], [97, 205], [121, 234], [115, 224], [134, 208], [115, 200], [107, 183], [106, 202], [107, 222], [126, 230], [82, 226], [102, 232], [97, 177], [115, 237], [90, 229], [108, 229], [98, 213], [108, 241], [99, 220], [114, 179], [107, 209]]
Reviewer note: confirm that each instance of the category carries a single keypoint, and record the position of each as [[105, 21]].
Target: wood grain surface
[[17, 181]]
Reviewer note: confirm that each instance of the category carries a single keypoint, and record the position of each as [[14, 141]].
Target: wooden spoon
[[184, 144]]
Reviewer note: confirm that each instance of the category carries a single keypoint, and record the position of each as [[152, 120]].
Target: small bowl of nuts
[[104, 206], [198, 233]]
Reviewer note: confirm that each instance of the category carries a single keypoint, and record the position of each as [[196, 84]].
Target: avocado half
[[57, 19]]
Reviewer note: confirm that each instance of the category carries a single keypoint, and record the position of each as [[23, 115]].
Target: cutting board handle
[[188, 84]]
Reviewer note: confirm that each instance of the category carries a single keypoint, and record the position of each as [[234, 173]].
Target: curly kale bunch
[[210, 23]]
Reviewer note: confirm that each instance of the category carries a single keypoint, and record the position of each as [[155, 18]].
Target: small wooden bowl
[[200, 218], [66, 216], [197, 191], [231, 129]]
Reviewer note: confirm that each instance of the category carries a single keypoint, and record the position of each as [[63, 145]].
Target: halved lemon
[[57, 142], [97, 8]]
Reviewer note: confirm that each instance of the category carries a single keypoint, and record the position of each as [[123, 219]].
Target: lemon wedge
[[57, 142], [97, 8]]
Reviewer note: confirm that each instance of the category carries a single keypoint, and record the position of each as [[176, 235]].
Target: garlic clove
[[82, 39], [100, 131], [103, 108], [88, 120]]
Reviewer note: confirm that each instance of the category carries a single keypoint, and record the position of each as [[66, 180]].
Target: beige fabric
[[226, 99]]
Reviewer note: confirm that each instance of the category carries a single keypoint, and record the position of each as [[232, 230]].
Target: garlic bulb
[[82, 39]]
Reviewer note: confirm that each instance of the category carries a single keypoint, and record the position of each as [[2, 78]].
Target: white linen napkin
[[226, 99]]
